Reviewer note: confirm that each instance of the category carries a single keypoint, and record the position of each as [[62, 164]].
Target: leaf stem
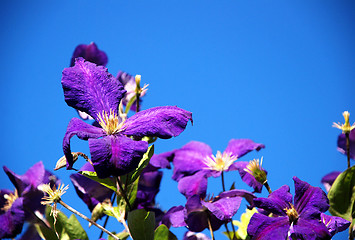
[[87, 219]]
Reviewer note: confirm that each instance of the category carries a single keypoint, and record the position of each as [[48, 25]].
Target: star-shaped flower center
[[10, 199], [292, 213], [110, 122], [346, 127], [220, 162]]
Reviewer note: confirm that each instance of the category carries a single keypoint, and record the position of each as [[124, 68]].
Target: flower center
[[220, 162], [10, 199], [291, 213], [254, 168], [110, 122]]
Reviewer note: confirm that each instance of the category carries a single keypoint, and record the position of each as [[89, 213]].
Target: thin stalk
[[210, 227], [233, 228], [348, 148], [267, 187], [229, 234], [223, 186], [137, 101], [107, 217], [124, 194], [351, 232], [87, 219]]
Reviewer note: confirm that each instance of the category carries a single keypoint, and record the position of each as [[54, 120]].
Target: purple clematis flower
[[91, 89], [24, 204], [90, 53], [342, 144], [300, 219], [90, 191], [196, 213]]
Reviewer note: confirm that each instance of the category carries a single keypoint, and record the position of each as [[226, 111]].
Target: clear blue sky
[[277, 72]]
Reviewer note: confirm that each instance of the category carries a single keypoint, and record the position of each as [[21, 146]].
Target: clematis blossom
[[90, 52], [116, 147], [299, 219]]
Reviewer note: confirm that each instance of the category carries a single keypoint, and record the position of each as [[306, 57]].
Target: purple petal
[[162, 160], [240, 147], [81, 129], [163, 122], [129, 83], [246, 176], [174, 217], [91, 89], [329, 179], [189, 159], [90, 53], [87, 167], [262, 227], [148, 187], [239, 193], [11, 222], [334, 224], [90, 191], [309, 229], [309, 201], [277, 201], [224, 208], [116, 155], [342, 144], [193, 185]]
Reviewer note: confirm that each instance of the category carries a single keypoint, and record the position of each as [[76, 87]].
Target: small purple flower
[[342, 144], [301, 219], [116, 148], [90, 53]]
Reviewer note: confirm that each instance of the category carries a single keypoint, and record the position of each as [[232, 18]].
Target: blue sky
[[276, 72]]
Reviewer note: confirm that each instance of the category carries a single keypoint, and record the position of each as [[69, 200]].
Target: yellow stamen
[[10, 199], [346, 127], [292, 213], [110, 122], [254, 168], [220, 162]]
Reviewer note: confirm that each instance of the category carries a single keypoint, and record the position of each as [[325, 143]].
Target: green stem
[[223, 186], [351, 232], [87, 219], [137, 101], [267, 187], [129, 104], [124, 194], [229, 234], [106, 220], [348, 148]]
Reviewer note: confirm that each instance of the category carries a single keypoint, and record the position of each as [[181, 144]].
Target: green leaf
[[107, 182], [342, 195], [163, 233], [59, 226], [141, 224], [74, 229], [121, 235], [45, 232]]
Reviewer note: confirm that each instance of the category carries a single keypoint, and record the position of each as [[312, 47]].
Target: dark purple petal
[[309, 201], [148, 187], [90, 191], [116, 155], [11, 222], [329, 179], [193, 185], [262, 227], [90, 53], [91, 89], [277, 201], [30, 233], [162, 160], [240, 147], [239, 193], [83, 131], [310, 230], [334, 224], [174, 217], [246, 176], [224, 208], [342, 144], [163, 122], [189, 159], [87, 167]]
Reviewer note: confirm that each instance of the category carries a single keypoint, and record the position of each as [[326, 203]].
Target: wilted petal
[[334, 224], [81, 129], [276, 202], [116, 155], [11, 221], [310, 230], [163, 122], [189, 159], [262, 227], [90, 191], [193, 185], [91, 89], [240, 147], [309, 201], [224, 208], [329, 179], [174, 217], [342, 144], [90, 53]]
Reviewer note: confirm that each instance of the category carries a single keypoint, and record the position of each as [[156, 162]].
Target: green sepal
[[141, 224], [342, 195], [162, 233], [107, 182]]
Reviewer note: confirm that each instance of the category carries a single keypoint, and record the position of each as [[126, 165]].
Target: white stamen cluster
[[346, 127], [220, 162], [110, 122]]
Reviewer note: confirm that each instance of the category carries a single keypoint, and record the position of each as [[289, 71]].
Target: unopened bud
[[62, 162]]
